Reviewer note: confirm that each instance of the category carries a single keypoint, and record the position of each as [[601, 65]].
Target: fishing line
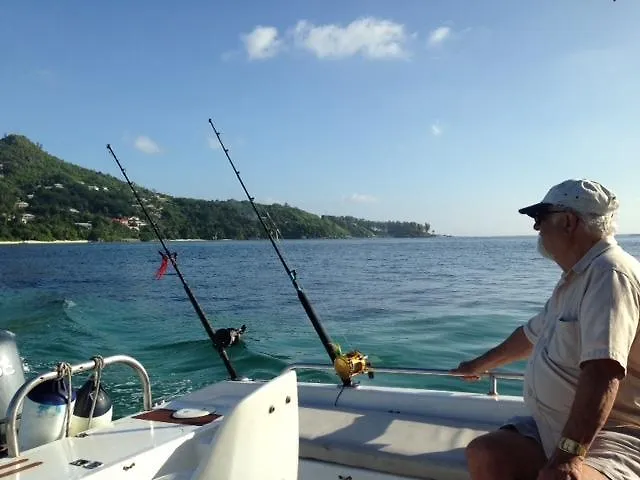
[[323, 310], [203, 319], [315, 321], [335, 404]]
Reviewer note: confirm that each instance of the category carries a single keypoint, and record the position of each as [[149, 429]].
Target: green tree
[[60, 195]]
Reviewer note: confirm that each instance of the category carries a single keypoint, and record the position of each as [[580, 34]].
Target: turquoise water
[[412, 303]]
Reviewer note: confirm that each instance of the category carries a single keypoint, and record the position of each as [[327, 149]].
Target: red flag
[[163, 266]]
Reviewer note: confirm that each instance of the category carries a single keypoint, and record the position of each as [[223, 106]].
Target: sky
[[455, 113]]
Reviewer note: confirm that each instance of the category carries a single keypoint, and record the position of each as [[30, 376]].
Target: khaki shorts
[[615, 452]]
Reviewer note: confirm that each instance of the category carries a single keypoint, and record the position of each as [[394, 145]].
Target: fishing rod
[[203, 319], [346, 365]]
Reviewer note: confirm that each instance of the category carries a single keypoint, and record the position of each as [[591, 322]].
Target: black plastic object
[[85, 397]]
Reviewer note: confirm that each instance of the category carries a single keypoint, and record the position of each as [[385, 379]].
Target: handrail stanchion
[[23, 391], [494, 385]]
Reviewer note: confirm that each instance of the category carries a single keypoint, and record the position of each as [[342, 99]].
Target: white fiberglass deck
[[376, 432]]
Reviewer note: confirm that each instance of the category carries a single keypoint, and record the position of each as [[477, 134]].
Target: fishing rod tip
[[108, 146]]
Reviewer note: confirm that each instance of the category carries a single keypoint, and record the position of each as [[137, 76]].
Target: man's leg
[[590, 473], [616, 453], [505, 455]]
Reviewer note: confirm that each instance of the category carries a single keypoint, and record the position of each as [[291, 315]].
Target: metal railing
[[23, 391], [493, 376]]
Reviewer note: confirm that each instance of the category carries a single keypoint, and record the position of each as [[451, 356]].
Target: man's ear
[[572, 221]]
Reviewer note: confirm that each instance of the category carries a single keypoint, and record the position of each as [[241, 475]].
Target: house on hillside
[[133, 223], [27, 217], [22, 204]]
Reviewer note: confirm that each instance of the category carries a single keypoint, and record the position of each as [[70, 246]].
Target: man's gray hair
[[599, 225]]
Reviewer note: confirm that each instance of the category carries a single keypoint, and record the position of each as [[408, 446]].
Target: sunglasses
[[541, 216]]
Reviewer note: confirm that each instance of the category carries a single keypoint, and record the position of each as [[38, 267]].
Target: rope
[[99, 361], [64, 370]]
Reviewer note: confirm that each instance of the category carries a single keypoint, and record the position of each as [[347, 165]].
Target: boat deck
[[400, 433]]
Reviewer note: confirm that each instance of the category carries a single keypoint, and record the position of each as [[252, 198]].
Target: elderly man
[[582, 381]]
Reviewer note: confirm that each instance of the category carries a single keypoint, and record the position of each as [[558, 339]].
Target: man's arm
[[596, 391], [608, 325], [516, 347]]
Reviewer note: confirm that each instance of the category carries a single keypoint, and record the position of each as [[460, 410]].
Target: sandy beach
[[20, 242], [124, 240]]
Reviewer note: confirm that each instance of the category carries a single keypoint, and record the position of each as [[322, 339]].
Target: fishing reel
[[350, 364]]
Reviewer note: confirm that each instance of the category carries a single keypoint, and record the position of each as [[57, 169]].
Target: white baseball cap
[[582, 196]]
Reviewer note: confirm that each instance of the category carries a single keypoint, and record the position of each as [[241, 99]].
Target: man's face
[[552, 240]]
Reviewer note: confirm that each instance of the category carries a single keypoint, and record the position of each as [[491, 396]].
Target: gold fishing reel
[[350, 364]]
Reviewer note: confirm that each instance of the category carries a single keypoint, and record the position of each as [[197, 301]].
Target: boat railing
[[493, 376], [15, 405]]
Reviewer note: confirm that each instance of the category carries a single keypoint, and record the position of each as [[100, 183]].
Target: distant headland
[[45, 199]]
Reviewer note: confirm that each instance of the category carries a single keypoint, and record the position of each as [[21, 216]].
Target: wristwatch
[[571, 446]]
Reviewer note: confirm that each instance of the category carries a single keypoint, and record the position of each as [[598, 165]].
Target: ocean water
[[404, 302]]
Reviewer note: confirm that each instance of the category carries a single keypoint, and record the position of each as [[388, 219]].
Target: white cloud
[[146, 145], [361, 198], [370, 37], [438, 36], [262, 42], [436, 129]]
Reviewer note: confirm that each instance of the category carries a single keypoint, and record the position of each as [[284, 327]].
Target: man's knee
[[481, 448], [483, 460], [503, 454]]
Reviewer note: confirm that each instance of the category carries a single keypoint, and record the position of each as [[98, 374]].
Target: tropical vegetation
[[45, 198]]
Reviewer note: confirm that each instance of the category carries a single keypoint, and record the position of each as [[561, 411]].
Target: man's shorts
[[615, 452]]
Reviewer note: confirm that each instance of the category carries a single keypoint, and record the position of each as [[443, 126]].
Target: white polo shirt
[[593, 313]]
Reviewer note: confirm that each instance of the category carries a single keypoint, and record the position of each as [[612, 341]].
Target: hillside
[[45, 198]]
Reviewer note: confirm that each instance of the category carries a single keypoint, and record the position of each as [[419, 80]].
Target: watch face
[[570, 446], [567, 444]]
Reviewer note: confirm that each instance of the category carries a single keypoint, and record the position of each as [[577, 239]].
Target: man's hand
[[569, 468], [516, 347], [470, 370]]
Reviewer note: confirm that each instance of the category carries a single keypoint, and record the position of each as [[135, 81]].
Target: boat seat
[[405, 445]]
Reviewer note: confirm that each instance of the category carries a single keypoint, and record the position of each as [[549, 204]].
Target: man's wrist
[[571, 447], [560, 457], [484, 362]]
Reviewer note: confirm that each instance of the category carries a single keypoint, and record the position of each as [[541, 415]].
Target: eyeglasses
[[539, 217]]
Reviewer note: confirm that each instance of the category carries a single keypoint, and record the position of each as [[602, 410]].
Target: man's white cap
[[582, 196]]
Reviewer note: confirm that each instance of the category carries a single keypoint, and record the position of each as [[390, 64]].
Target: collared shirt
[[593, 313]]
